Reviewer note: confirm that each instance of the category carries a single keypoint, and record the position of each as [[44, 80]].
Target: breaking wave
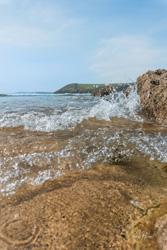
[[75, 110], [67, 132]]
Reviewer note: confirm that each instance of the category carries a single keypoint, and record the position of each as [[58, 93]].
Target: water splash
[[118, 105], [74, 111], [88, 147]]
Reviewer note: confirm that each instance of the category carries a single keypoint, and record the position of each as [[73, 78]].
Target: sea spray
[[63, 133], [118, 105], [75, 109]]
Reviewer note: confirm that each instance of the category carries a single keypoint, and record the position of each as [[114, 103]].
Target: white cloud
[[30, 23], [45, 14], [124, 58], [20, 35]]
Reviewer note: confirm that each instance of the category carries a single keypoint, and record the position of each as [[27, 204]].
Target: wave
[[118, 105], [67, 117], [30, 94], [83, 148], [44, 94]]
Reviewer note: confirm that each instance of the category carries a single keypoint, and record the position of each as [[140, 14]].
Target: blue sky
[[46, 44]]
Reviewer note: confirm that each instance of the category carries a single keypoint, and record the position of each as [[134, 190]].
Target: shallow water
[[43, 136]]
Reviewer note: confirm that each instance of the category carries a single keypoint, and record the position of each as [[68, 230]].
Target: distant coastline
[[75, 88], [2, 95]]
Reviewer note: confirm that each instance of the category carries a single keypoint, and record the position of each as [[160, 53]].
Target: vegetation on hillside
[[85, 88], [79, 88], [2, 95]]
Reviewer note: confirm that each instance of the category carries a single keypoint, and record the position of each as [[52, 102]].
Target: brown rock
[[152, 88], [103, 91], [161, 228], [127, 91], [110, 89]]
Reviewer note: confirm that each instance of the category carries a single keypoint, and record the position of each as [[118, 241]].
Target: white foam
[[82, 151], [117, 105]]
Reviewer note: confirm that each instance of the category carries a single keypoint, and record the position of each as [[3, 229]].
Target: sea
[[43, 135]]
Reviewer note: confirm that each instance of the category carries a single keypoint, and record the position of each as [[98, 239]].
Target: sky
[[46, 44]]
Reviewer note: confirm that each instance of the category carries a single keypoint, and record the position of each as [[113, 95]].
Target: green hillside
[[79, 88], [2, 95]]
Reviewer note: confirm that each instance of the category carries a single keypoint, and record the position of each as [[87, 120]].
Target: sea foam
[[74, 111]]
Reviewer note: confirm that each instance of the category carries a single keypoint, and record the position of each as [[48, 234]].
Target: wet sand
[[106, 207]]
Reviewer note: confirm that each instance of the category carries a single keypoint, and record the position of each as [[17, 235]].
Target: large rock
[[152, 88]]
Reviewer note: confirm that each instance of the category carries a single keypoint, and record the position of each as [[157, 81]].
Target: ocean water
[[42, 135]]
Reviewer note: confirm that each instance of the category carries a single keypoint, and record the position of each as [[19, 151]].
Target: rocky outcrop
[[152, 88], [110, 89], [127, 91], [103, 91]]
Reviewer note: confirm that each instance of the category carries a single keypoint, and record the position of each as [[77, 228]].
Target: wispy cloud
[[37, 24], [44, 13], [21, 35], [126, 57]]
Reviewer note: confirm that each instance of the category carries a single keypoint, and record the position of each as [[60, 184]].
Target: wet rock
[[103, 91], [120, 156], [110, 89], [152, 88], [161, 227], [127, 91], [89, 209], [149, 231]]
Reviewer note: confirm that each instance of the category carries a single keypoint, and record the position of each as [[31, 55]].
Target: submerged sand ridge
[[106, 185]]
